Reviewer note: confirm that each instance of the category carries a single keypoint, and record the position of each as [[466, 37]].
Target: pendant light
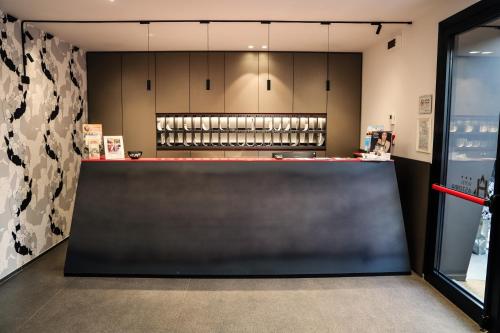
[[148, 80], [268, 83], [327, 85], [207, 81]]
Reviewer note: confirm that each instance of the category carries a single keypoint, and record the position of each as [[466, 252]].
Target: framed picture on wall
[[113, 147], [424, 134], [425, 104]]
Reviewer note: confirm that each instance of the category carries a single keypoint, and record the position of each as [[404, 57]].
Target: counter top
[[317, 159]]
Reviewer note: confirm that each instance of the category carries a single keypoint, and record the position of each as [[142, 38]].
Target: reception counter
[[237, 217]]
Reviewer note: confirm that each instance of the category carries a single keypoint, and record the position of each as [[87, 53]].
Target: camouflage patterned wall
[[40, 125]]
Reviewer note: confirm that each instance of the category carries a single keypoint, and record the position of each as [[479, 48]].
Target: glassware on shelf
[[249, 130], [493, 128], [460, 143], [453, 126], [205, 121], [160, 124], [321, 140], [468, 126]]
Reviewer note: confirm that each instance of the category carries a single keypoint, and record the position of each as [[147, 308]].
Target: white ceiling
[[223, 36]]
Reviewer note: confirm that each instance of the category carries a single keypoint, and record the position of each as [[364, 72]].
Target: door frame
[[488, 317]]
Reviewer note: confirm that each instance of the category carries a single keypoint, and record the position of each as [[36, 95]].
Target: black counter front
[[237, 218]]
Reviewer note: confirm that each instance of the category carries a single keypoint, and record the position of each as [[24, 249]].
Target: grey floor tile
[[40, 299], [114, 310]]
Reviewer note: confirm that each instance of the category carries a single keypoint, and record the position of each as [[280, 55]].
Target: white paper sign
[[425, 104], [113, 147], [424, 134]]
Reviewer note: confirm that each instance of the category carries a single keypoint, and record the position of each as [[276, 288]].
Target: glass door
[[460, 262]]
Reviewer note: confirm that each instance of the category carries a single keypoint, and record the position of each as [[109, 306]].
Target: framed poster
[[113, 147], [424, 134], [92, 134], [425, 104]]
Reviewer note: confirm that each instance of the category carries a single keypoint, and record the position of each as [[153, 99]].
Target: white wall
[[394, 79]]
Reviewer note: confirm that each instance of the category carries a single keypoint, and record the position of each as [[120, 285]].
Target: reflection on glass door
[[472, 131]]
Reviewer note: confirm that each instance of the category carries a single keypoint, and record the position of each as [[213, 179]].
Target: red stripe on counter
[[196, 160]]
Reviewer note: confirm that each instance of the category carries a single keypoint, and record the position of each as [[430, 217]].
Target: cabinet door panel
[[280, 98], [139, 123], [344, 104], [104, 73], [202, 100], [309, 83], [172, 82], [242, 85]]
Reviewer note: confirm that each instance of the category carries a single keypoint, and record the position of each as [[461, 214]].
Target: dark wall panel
[[139, 130], [104, 76], [413, 182], [344, 104]]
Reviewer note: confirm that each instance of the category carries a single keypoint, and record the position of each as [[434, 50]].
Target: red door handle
[[461, 195]]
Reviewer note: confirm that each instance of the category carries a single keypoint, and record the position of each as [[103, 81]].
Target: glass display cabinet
[[241, 131]]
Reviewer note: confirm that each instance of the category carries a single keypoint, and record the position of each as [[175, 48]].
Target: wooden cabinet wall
[[242, 82], [117, 92], [172, 82], [309, 80], [139, 129], [202, 100], [104, 91], [344, 104], [280, 98]]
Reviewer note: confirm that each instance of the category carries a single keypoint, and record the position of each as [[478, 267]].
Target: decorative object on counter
[[368, 137], [92, 137], [242, 131], [113, 147], [134, 154], [381, 142]]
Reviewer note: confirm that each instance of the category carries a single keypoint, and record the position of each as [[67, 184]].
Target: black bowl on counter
[[135, 154]]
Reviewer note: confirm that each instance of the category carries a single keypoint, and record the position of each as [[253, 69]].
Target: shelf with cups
[[241, 131], [473, 137]]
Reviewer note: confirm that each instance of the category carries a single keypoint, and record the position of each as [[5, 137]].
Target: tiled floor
[[41, 299]]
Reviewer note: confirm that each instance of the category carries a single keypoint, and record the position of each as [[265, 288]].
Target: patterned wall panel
[[40, 126]]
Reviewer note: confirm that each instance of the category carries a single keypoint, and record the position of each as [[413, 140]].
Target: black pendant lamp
[[268, 83], [148, 81], [207, 81], [327, 85]]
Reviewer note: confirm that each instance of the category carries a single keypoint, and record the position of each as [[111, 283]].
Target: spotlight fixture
[[487, 52], [268, 83], [207, 81], [379, 27], [264, 46], [251, 46], [474, 52]]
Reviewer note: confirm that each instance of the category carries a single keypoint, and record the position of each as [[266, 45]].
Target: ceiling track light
[[268, 82], [379, 27], [207, 81]]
